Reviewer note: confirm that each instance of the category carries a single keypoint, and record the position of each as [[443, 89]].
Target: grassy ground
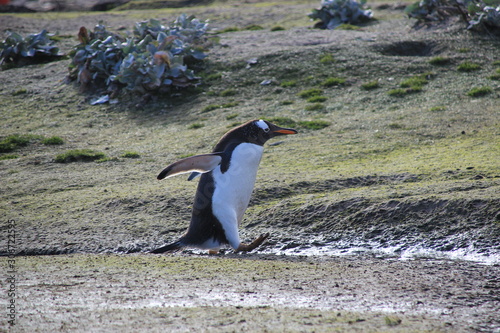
[[397, 167]]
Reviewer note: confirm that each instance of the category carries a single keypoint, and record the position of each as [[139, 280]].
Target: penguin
[[226, 183]]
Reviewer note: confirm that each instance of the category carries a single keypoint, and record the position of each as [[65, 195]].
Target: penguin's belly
[[234, 187]]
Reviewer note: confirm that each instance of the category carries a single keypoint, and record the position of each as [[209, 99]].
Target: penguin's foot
[[252, 245]]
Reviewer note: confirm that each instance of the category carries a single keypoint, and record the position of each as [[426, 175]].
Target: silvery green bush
[[35, 47], [484, 16], [154, 59], [336, 12], [477, 14]]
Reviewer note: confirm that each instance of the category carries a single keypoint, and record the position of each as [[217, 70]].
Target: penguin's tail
[[174, 247]]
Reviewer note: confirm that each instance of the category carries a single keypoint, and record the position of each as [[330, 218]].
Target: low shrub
[[155, 59], [480, 15], [16, 50], [334, 13]]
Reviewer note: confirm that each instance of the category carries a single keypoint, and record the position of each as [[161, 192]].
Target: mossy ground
[[382, 165]]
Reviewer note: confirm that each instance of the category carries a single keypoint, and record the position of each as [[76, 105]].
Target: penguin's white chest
[[234, 187]]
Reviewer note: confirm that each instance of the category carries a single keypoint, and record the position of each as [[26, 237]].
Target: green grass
[[79, 155], [495, 77], [253, 27], [439, 61], [229, 105], [468, 66], [314, 124], [213, 77], [438, 108], [8, 157], [229, 29], [53, 140], [277, 28], [414, 82], [308, 93], [210, 107], [315, 107], [479, 91], [305, 124], [398, 92], [370, 85], [287, 84], [13, 142], [130, 154], [282, 121], [20, 92], [196, 126], [333, 81], [317, 99], [326, 59], [396, 126], [392, 321], [346, 26], [228, 93]]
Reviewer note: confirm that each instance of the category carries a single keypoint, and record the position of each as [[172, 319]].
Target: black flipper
[[174, 247], [193, 175]]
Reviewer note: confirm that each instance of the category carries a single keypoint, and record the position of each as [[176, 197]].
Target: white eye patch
[[262, 124]]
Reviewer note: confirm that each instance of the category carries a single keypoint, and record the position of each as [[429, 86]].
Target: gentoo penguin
[[226, 183]]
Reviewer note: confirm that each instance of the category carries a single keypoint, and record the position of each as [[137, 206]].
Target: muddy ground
[[385, 220]]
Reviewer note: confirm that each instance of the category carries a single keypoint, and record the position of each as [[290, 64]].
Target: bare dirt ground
[[413, 177], [257, 293]]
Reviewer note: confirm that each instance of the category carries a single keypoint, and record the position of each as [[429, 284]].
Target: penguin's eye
[[266, 129]]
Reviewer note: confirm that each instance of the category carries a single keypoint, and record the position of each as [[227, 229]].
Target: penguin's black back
[[204, 225]]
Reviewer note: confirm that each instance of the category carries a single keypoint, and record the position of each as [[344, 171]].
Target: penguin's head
[[259, 131], [256, 131]]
